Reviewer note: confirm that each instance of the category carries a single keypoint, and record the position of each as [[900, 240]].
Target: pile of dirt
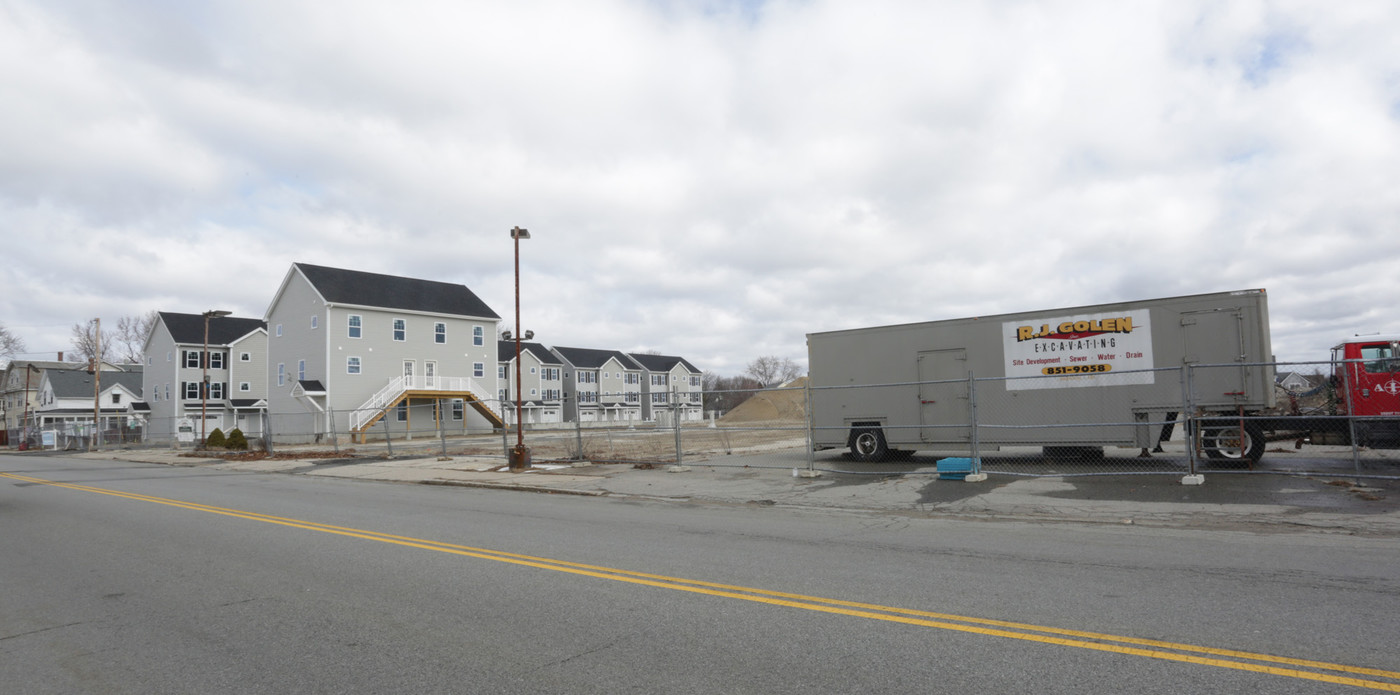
[[788, 403]]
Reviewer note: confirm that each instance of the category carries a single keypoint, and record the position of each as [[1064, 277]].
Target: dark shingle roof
[[392, 292], [588, 358], [661, 363], [77, 383], [505, 351], [188, 329]]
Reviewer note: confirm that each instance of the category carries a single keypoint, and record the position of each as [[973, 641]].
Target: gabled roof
[[662, 363], [505, 352], [588, 358], [77, 383], [44, 364], [358, 288], [188, 329]]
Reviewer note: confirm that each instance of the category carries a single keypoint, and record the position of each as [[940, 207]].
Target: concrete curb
[[517, 488]]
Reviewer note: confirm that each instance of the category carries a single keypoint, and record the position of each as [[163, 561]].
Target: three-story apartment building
[[670, 385], [600, 385], [176, 365], [541, 380], [349, 350]]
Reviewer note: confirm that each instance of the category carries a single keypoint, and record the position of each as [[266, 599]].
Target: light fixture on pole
[[520, 455], [204, 385]]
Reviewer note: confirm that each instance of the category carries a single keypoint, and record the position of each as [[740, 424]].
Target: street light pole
[[204, 386], [520, 455]]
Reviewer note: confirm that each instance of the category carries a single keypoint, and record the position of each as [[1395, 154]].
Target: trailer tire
[[868, 444], [1220, 439]]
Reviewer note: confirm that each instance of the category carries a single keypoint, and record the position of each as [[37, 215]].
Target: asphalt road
[[121, 577]]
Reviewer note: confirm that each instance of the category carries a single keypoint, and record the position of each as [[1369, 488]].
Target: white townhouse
[[541, 383], [350, 350], [176, 365], [670, 385], [600, 385]]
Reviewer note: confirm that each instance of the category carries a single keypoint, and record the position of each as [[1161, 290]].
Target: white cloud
[[707, 179]]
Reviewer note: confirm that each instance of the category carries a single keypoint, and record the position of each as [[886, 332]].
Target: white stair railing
[[399, 384]]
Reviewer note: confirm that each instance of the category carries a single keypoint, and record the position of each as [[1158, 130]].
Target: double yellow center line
[[1154, 649]]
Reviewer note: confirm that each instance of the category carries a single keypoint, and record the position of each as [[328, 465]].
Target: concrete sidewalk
[[1255, 503]]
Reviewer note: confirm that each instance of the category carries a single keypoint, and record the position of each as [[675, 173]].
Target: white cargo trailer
[[1105, 375]]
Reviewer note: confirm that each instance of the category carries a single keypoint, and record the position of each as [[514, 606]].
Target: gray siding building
[[600, 385], [349, 350], [670, 385], [175, 366]]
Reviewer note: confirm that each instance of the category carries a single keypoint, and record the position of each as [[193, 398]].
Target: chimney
[[60, 356]]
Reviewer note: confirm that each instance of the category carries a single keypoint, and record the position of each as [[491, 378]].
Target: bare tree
[[131, 335], [85, 342], [770, 369], [10, 344]]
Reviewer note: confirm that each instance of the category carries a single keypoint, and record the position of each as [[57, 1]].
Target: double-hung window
[[400, 330], [478, 336], [352, 365], [216, 360], [352, 325], [440, 333], [192, 359]]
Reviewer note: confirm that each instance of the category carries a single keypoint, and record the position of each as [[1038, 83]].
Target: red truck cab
[[1367, 372]]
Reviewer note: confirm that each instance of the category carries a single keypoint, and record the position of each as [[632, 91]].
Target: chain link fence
[[1166, 422]]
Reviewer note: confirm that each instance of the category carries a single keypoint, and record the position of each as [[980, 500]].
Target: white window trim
[[349, 326]]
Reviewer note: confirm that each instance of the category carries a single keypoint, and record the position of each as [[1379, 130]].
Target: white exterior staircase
[[398, 388]]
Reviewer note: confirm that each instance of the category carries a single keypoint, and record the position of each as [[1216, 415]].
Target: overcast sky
[[713, 178]]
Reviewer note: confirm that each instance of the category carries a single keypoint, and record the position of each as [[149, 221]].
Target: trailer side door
[[1216, 338], [944, 407]]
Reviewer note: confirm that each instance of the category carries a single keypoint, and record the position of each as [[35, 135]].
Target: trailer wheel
[[869, 445], [1221, 441]]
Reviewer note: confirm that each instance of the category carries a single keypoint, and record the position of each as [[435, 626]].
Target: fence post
[[1188, 420], [267, 431], [578, 430], [1351, 420], [335, 438], [811, 434], [505, 430], [972, 412], [389, 445], [676, 422], [442, 431]]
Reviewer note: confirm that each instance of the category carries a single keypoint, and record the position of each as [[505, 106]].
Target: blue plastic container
[[955, 468]]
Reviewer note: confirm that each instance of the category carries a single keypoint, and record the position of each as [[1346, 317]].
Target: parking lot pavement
[[1260, 502]]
